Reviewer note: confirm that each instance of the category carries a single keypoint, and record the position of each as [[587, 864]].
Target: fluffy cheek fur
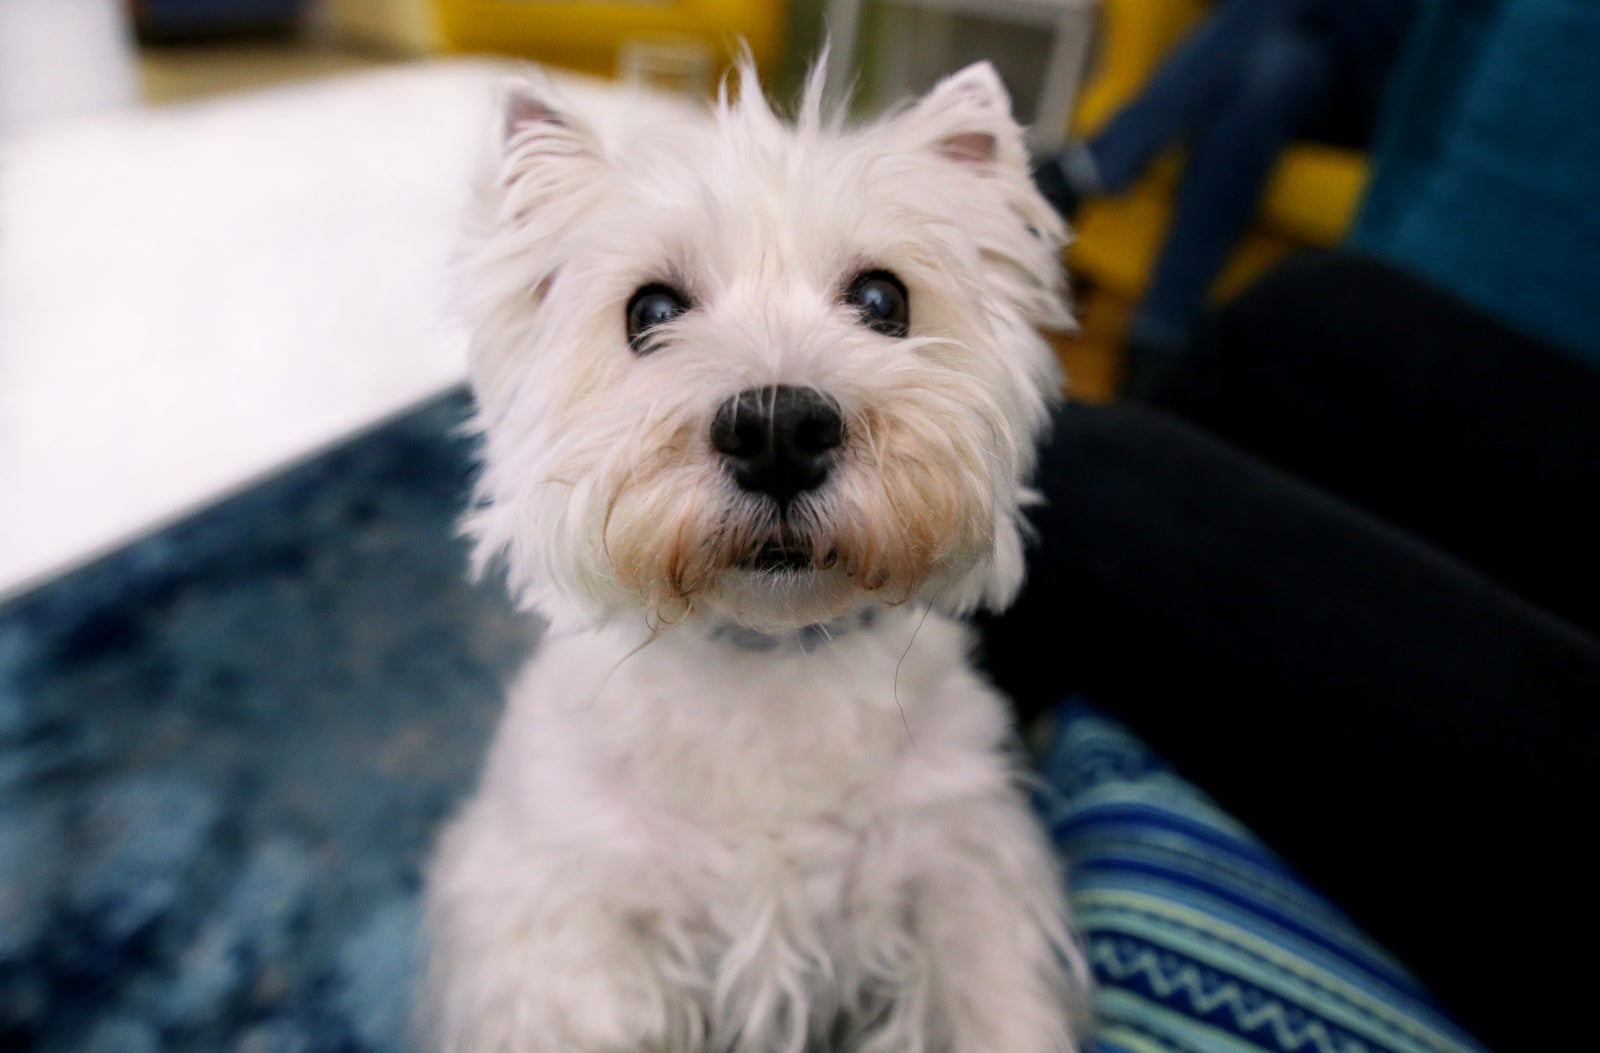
[[638, 513]]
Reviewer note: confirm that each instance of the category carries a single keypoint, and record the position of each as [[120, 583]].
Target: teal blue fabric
[[1486, 178], [1201, 939]]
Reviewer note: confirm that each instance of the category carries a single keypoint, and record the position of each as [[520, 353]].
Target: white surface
[[61, 58], [190, 298]]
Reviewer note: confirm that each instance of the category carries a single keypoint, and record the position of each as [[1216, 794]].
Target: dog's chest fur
[[752, 800], [696, 738]]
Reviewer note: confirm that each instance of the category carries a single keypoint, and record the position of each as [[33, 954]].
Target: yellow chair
[[586, 35], [1310, 200]]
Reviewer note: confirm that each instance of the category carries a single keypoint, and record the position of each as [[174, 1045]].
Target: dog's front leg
[[1004, 974], [589, 982], [542, 956]]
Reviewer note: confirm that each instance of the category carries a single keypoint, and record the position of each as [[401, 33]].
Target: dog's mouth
[[777, 556], [785, 558]]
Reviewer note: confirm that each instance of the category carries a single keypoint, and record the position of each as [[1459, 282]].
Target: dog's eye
[[651, 306], [881, 299]]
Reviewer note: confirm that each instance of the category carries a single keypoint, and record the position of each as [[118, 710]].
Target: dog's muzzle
[[779, 441]]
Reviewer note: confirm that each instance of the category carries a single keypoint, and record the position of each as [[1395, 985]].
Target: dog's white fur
[[691, 838]]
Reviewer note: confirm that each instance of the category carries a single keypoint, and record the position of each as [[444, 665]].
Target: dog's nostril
[[778, 440], [819, 433], [740, 433]]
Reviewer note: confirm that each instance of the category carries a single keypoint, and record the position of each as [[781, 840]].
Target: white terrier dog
[[760, 404]]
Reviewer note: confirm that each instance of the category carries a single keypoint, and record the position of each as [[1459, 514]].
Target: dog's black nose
[[780, 440]]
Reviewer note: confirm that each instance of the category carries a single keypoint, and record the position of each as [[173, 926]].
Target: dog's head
[[761, 371]]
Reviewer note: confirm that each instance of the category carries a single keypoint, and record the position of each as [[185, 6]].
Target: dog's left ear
[[966, 118]]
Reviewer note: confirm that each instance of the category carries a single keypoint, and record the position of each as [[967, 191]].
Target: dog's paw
[[584, 982], [622, 1002]]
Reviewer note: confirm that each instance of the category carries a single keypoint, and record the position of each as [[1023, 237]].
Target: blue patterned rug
[[224, 751]]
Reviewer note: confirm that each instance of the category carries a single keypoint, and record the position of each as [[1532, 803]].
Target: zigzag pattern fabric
[[1201, 939]]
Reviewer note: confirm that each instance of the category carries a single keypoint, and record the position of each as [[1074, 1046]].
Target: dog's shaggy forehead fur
[[602, 454]]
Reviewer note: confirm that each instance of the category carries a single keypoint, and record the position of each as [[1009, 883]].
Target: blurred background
[[187, 110], [242, 675]]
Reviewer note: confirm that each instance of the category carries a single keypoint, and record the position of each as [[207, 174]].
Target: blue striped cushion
[[1202, 940]]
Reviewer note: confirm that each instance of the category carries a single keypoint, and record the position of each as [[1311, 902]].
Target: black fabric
[[1415, 735], [1350, 374], [1365, 38]]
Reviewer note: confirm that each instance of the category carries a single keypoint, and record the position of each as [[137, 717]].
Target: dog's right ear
[[541, 141], [530, 105], [522, 107]]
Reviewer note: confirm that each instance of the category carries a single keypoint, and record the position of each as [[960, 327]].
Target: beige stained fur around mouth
[[888, 517]]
